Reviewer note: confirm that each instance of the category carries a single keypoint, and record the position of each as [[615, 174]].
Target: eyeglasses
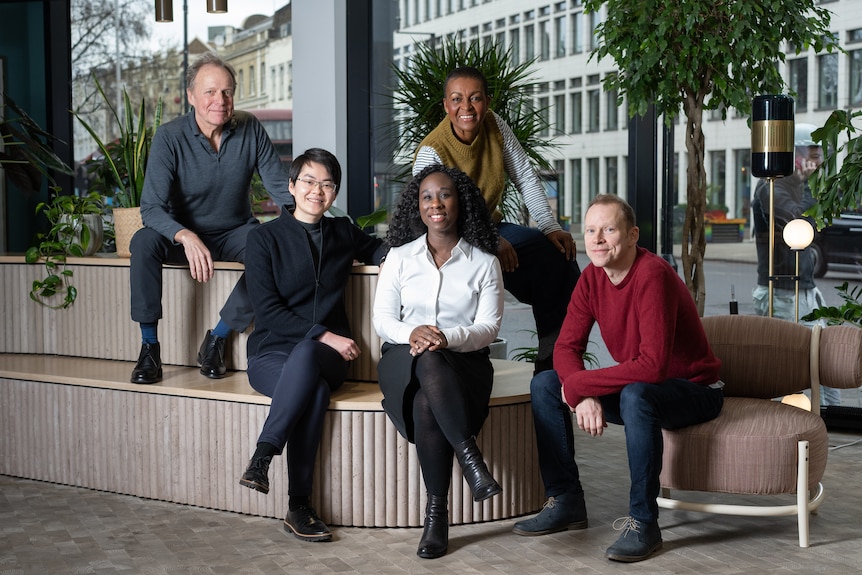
[[325, 187]]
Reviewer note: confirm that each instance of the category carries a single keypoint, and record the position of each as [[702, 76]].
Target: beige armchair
[[757, 445]]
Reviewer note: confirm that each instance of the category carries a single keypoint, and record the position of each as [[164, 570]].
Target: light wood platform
[[68, 413], [99, 325], [187, 440]]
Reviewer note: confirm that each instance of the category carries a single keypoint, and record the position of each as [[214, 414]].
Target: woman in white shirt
[[438, 306]]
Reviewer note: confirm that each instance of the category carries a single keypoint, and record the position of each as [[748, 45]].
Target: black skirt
[[397, 382]]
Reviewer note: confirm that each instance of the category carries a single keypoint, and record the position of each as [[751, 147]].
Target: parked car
[[838, 244]]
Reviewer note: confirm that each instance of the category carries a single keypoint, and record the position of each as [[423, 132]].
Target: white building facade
[[586, 122]]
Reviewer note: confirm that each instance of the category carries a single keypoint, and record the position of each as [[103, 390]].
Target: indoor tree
[[690, 56]]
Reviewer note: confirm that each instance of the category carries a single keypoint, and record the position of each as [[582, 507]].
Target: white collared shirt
[[464, 298]]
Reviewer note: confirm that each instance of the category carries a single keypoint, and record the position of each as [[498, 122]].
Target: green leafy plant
[[850, 312], [126, 159], [837, 190], [418, 100], [682, 55], [378, 216], [72, 233], [531, 353], [27, 155]]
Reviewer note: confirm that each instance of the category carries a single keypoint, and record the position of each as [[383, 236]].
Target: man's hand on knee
[[591, 416], [199, 257]]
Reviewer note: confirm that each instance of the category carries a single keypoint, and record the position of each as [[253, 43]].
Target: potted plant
[[76, 230], [125, 161]]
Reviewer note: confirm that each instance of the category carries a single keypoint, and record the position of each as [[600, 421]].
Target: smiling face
[[609, 242], [211, 95], [314, 192], [466, 104], [438, 204]]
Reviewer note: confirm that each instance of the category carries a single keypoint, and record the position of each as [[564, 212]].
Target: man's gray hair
[[208, 59]]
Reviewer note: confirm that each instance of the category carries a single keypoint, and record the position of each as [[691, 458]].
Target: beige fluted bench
[[69, 415]]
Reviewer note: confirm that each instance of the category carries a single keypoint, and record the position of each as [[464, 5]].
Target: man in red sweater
[[666, 377]]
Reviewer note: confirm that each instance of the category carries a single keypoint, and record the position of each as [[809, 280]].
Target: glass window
[[545, 39], [593, 97], [560, 35], [529, 42], [594, 23], [827, 78], [262, 78], [544, 111], [593, 177], [855, 59], [577, 112], [577, 25], [611, 174], [240, 84], [251, 82], [743, 184], [798, 82], [515, 43], [560, 114], [612, 111], [575, 187], [854, 35]]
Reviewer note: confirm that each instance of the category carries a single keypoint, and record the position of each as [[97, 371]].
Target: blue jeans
[[643, 408]]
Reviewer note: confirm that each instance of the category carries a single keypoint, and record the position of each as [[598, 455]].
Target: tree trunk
[[693, 234]]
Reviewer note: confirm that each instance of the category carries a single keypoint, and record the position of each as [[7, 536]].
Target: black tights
[[439, 419]]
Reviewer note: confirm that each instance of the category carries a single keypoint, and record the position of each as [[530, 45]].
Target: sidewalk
[[743, 251]]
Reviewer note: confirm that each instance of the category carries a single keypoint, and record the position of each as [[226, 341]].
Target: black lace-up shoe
[[256, 475], [211, 356], [149, 366], [306, 525]]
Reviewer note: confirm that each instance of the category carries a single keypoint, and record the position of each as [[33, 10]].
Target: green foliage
[[837, 190], [418, 98], [126, 159], [531, 353], [850, 311], [68, 236], [693, 55], [717, 54], [27, 155]]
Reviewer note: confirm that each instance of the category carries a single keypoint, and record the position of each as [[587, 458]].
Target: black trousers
[[151, 250]]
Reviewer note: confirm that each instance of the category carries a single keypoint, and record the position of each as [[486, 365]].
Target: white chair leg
[[802, 493]]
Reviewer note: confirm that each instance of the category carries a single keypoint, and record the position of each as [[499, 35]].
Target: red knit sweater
[[649, 324]]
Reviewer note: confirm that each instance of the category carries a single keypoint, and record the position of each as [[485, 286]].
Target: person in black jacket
[[297, 268]]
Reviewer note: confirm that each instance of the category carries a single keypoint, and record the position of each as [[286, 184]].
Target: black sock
[[265, 450], [297, 501]]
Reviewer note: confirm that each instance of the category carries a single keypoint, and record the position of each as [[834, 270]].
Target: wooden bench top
[[511, 381]]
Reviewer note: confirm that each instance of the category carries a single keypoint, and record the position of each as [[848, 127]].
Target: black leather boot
[[149, 367], [481, 483], [435, 536], [211, 356]]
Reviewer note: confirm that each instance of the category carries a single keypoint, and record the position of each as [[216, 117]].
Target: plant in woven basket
[[418, 102]]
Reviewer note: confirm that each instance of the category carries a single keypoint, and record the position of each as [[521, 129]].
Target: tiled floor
[[47, 528]]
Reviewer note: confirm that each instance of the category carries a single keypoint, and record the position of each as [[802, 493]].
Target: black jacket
[[291, 302]]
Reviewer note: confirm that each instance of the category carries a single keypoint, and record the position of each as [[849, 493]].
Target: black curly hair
[[474, 220]]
